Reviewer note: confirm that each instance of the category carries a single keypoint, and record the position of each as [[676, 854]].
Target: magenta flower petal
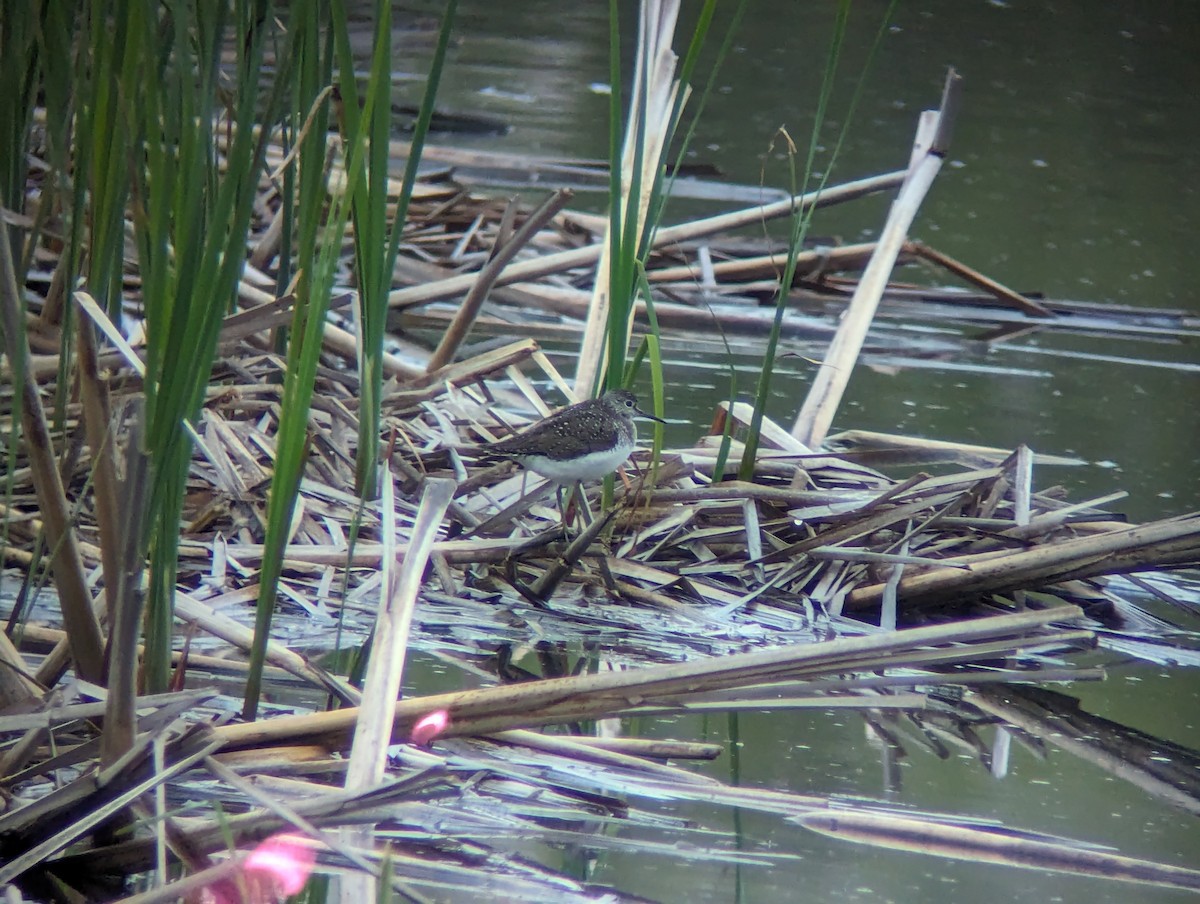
[[286, 859], [430, 726]]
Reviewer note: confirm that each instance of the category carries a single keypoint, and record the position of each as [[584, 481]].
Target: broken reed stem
[[506, 249], [829, 384], [1078, 557], [87, 643], [593, 696], [97, 423], [665, 237], [125, 599], [392, 624]]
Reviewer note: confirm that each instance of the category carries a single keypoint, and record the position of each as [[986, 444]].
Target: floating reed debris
[[679, 591]]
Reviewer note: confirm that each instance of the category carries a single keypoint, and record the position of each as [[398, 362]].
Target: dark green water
[[1072, 172]]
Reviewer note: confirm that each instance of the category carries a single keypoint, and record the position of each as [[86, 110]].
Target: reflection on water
[[1072, 173]]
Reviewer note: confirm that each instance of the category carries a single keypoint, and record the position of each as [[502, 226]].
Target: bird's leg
[[585, 513], [575, 496], [562, 512]]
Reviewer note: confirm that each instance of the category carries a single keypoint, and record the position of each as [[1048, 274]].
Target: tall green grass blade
[[624, 251], [368, 128], [19, 64], [615, 207], [375, 257], [191, 214], [367, 131], [376, 248], [18, 68], [624, 206], [632, 226], [36, 67], [57, 42], [651, 348], [433, 81], [113, 60], [319, 234]]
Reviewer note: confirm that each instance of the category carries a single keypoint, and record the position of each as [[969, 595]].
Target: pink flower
[[285, 860], [430, 726]]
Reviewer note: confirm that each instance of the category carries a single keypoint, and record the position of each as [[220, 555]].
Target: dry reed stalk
[[649, 119], [456, 552], [594, 696], [40, 635], [894, 449], [573, 303], [641, 748], [816, 414], [1042, 524], [75, 601], [588, 255], [615, 754], [502, 254], [472, 369], [769, 266], [188, 609]]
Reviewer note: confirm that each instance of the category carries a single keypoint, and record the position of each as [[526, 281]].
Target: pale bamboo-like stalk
[[372, 733], [651, 108], [829, 384]]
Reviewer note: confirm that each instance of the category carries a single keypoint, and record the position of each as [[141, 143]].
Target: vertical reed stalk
[[375, 245], [311, 46]]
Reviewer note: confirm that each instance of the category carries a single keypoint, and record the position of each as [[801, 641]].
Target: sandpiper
[[584, 441]]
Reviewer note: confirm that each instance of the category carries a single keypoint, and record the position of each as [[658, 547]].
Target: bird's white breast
[[588, 467]]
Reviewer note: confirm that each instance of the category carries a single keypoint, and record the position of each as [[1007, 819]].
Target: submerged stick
[[998, 844], [1003, 292]]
